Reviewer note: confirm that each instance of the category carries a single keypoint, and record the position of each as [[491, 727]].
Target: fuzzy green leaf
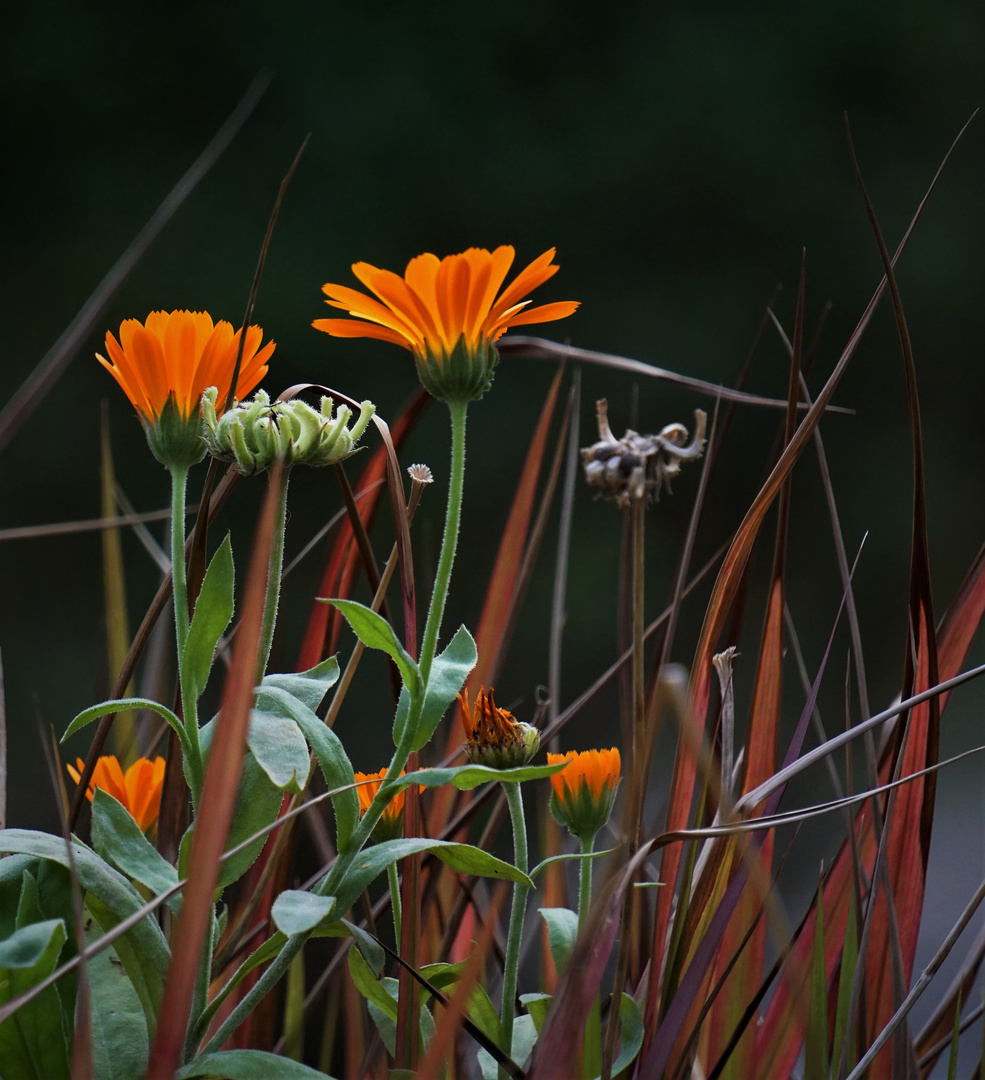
[[562, 932], [213, 610], [248, 1065], [537, 1005], [119, 1033], [466, 777], [524, 1038], [117, 839], [310, 686], [332, 758], [104, 708], [297, 912], [448, 674], [279, 749], [376, 633]]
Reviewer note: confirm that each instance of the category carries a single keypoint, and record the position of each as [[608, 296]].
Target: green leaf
[[258, 802], [117, 839], [524, 1038], [483, 1012], [248, 1065], [34, 1042], [104, 708], [296, 912], [111, 899], [448, 674], [376, 633], [371, 949], [632, 1034], [213, 610], [332, 758], [466, 777], [280, 750], [310, 686], [541, 866], [562, 932], [371, 988], [370, 863], [537, 1005], [119, 1032]]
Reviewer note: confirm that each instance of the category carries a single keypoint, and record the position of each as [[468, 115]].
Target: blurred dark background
[[679, 156]]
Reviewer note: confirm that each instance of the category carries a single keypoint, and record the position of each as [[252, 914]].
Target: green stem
[[274, 574], [449, 541], [514, 800], [189, 706], [585, 878], [391, 874]]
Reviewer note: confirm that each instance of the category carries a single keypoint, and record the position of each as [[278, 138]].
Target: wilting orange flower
[[492, 736], [180, 354], [138, 790], [449, 312], [585, 789], [391, 824]]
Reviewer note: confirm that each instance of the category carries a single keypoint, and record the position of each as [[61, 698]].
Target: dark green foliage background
[[678, 155]]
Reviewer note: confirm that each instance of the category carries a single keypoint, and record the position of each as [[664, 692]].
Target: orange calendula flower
[[138, 790], [492, 736], [391, 824], [165, 364], [584, 791], [449, 312]]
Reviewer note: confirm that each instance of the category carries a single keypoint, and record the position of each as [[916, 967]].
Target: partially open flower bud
[[391, 824], [493, 737], [257, 433], [584, 791]]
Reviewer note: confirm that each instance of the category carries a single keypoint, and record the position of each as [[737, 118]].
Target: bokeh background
[[679, 156]]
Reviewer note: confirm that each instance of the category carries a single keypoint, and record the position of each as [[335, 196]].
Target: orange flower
[[139, 790], [447, 312], [391, 824], [492, 736], [167, 363], [181, 354], [585, 789]]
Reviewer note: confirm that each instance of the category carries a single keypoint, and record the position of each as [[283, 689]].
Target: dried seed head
[[639, 466], [420, 474]]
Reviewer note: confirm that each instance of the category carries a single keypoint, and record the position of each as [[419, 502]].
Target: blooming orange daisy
[[585, 789], [449, 312], [138, 790], [391, 824], [179, 355]]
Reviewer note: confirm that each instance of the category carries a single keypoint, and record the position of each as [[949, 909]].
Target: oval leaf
[[213, 610], [308, 686], [279, 749], [296, 912], [248, 1065]]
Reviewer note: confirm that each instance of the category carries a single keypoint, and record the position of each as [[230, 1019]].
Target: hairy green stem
[[274, 575], [449, 541], [585, 878], [179, 577], [394, 882], [514, 800]]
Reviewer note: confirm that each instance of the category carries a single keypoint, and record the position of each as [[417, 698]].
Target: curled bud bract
[[256, 433]]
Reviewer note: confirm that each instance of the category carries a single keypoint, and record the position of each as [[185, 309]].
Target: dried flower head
[[639, 466], [391, 824], [492, 736], [584, 791], [257, 433], [166, 363], [420, 474], [447, 312], [138, 790]]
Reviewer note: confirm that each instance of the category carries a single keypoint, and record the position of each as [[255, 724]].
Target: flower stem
[[273, 574], [449, 541], [394, 881], [514, 800], [189, 706], [585, 878]]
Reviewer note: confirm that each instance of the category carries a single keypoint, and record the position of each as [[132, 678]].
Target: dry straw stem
[[26, 399]]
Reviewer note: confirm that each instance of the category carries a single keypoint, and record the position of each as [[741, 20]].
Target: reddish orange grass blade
[[216, 809]]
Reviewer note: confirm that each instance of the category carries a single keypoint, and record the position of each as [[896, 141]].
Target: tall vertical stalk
[[514, 800], [585, 877]]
